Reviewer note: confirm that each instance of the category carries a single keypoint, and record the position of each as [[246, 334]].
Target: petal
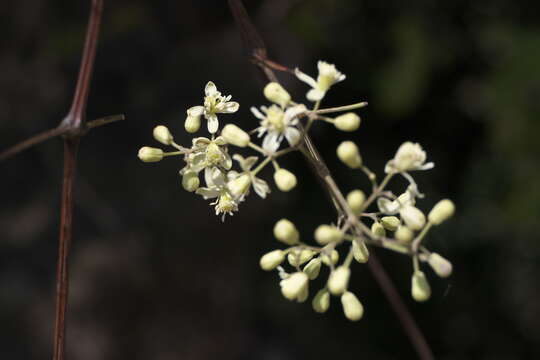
[[261, 187], [271, 142], [305, 78], [293, 113], [230, 107], [292, 135], [213, 123], [220, 141], [201, 141], [427, 166], [239, 158], [210, 89], [207, 193], [315, 95], [227, 162], [195, 110], [257, 113], [387, 206]]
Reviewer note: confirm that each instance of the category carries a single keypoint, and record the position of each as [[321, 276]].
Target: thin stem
[[257, 148], [66, 225], [377, 191], [105, 121], [341, 108], [261, 166], [34, 140]]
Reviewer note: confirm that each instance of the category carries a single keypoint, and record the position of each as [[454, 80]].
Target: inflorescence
[[396, 224]]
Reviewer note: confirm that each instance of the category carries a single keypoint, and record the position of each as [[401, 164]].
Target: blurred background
[[155, 275]]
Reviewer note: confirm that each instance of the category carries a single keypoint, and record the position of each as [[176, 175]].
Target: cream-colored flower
[[207, 153], [410, 156], [259, 185], [216, 188], [277, 124], [328, 76], [214, 103]]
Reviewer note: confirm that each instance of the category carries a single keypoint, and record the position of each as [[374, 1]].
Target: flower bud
[[285, 180], [390, 223], [325, 234], [321, 301], [192, 123], [347, 122], [275, 93], [348, 152], [286, 232], [240, 185], [163, 135], [441, 211], [150, 154], [413, 217], [190, 181], [330, 259], [356, 199], [404, 235], [303, 295], [271, 260], [298, 257], [378, 230], [313, 268], [235, 136], [294, 285], [420, 289], [339, 280], [352, 307], [440, 265], [360, 251]]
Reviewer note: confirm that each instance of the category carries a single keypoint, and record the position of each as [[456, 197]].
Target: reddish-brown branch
[[66, 226], [258, 55]]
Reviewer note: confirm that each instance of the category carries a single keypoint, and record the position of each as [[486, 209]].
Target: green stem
[[341, 108], [261, 166]]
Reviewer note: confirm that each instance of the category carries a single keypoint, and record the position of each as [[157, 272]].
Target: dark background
[[155, 275]]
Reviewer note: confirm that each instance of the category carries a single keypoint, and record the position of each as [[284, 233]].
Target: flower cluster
[[395, 223]]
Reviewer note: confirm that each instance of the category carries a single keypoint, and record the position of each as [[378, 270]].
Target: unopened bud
[[321, 301], [413, 217], [294, 286], [275, 93], [352, 307], [356, 199], [190, 181], [339, 280], [440, 265], [271, 260], [298, 257], [163, 135], [285, 180], [420, 288], [378, 230], [360, 251], [404, 235], [443, 210], [286, 232], [240, 185], [192, 123], [150, 154], [331, 259], [325, 234], [235, 136], [390, 223], [313, 268], [347, 122], [348, 152]]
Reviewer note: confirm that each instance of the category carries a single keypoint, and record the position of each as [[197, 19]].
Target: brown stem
[[253, 41], [66, 222], [52, 133]]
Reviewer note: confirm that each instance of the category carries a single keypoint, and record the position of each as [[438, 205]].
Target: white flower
[[277, 124], [216, 188], [214, 104], [408, 157], [207, 153], [413, 217], [328, 76], [259, 185]]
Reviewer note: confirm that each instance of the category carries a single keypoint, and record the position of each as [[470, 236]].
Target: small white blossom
[[216, 188], [277, 124], [328, 76], [259, 185], [207, 153], [410, 156], [214, 103]]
